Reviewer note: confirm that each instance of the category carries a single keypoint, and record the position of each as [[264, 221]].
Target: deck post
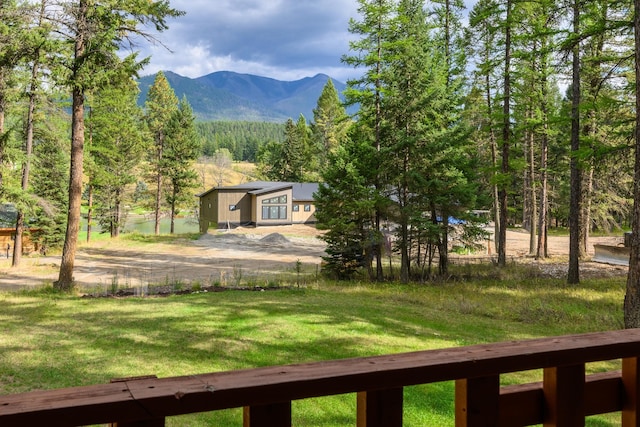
[[380, 408], [631, 400], [477, 401], [563, 388], [274, 415]]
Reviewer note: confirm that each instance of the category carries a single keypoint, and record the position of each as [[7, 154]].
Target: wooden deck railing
[[564, 397]]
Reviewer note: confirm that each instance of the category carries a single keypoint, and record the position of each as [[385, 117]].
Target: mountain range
[[229, 96]]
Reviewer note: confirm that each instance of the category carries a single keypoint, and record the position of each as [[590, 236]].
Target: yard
[[52, 341]]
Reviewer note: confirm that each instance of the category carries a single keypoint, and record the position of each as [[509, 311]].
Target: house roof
[[303, 192], [300, 191]]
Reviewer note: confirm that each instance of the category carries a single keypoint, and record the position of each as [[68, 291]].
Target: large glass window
[[274, 212], [274, 207]]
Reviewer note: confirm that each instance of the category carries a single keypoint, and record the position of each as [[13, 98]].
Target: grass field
[[51, 341]]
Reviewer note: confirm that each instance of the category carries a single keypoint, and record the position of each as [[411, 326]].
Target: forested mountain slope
[[229, 96]]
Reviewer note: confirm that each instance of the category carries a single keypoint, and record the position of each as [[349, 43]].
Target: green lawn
[[50, 341]]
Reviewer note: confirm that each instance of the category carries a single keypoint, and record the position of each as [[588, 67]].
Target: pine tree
[[161, 105], [346, 206], [414, 88], [370, 53], [118, 141], [51, 160], [181, 150], [632, 295], [93, 31], [330, 122]]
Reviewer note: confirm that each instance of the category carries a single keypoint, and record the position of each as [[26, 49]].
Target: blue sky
[[281, 39]]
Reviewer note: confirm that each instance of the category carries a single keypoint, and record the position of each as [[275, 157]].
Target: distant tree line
[[242, 139]]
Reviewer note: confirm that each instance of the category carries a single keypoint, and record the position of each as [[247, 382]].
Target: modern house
[[258, 203]]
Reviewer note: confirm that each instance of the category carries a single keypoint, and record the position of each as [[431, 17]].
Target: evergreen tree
[[346, 205], [576, 183], [370, 53], [161, 105], [51, 160], [483, 43], [36, 45], [181, 150], [414, 88], [293, 160], [95, 30], [118, 140], [455, 191], [330, 122], [632, 295], [293, 153], [270, 161]]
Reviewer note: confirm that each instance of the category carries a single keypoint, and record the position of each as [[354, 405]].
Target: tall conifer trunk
[[632, 296], [576, 185], [65, 277], [506, 135]]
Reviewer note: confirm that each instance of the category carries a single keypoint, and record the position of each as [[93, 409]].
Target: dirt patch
[[225, 258], [242, 255]]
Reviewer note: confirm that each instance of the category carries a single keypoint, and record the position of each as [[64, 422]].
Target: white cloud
[[282, 39]]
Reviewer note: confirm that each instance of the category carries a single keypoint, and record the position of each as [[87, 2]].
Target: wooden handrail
[[267, 392]]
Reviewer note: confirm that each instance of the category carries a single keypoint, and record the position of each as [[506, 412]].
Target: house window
[[307, 208], [296, 208], [274, 212], [280, 200]]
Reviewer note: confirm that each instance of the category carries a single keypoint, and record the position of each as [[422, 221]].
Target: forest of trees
[[527, 109], [70, 130], [242, 139]]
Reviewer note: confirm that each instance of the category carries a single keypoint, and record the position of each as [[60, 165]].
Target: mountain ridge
[[231, 96]]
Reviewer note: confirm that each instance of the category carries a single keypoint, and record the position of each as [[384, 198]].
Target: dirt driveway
[[227, 258]]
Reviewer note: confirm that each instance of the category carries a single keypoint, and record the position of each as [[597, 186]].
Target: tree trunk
[[158, 200], [585, 219], [541, 250], [404, 251], [26, 166], [543, 219], [65, 278], [28, 147], [2, 119], [173, 212], [443, 247], [576, 187], [117, 214], [18, 240], [632, 296], [506, 134], [89, 212], [532, 197], [494, 163]]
